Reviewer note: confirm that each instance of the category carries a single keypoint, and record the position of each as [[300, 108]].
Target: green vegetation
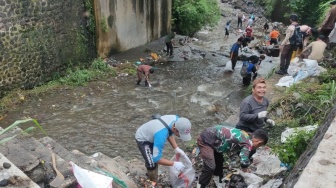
[[189, 16], [91, 20], [17, 123], [103, 24], [310, 12], [78, 76], [295, 145], [268, 6], [305, 103]]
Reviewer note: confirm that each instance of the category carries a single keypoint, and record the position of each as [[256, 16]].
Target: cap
[[183, 125], [254, 59], [258, 80], [294, 17], [322, 37]]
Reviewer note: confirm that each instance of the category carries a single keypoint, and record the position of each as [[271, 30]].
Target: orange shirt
[[274, 34]]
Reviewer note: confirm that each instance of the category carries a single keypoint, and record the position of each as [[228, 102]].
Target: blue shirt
[[155, 132], [235, 48]]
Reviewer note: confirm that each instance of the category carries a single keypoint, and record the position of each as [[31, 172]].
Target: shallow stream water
[[105, 115]]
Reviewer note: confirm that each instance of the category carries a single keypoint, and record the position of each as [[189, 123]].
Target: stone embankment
[[30, 163]]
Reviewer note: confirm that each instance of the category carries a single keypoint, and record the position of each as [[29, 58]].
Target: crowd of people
[[249, 133], [245, 138]]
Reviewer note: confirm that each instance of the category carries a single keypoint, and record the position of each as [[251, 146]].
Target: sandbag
[[184, 179]]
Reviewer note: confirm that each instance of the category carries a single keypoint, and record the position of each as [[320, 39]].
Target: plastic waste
[[300, 76], [182, 179], [286, 81], [228, 66], [89, 179]]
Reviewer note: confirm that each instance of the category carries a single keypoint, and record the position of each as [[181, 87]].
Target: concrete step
[[18, 155], [35, 159], [118, 167], [14, 176]]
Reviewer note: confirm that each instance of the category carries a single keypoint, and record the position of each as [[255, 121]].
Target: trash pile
[[299, 70]]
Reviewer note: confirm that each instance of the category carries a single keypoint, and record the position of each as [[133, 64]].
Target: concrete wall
[[125, 24], [39, 38]]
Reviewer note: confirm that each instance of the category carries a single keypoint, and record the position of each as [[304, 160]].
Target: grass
[[16, 124], [98, 70]]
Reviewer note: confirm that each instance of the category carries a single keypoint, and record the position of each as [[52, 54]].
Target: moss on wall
[[41, 37]]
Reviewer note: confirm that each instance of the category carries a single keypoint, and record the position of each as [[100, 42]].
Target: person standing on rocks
[[252, 66], [144, 70], [214, 141], [253, 109], [234, 53], [266, 27], [249, 32], [240, 20], [152, 136], [274, 35], [227, 27], [169, 43], [286, 49], [249, 22]]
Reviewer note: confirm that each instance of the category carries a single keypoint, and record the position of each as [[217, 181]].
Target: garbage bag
[[228, 66], [300, 76], [286, 81], [184, 179], [251, 179], [89, 179]]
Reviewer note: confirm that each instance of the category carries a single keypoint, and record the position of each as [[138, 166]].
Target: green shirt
[[169, 37]]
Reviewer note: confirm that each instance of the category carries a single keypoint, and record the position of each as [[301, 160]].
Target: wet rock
[[3, 183], [296, 95], [274, 183], [279, 112], [6, 165], [12, 180]]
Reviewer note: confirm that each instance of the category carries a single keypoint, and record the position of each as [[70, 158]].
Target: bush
[[294, 146], [189, 16]]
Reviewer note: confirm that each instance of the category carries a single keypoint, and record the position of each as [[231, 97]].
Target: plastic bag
[[184, 179], [89, 179], [286, 81], [300, 76], [228, 66]]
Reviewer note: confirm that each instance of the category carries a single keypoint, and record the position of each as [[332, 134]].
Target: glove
[[262, 114], [181, 152], [178, 150], [270, 122], [178, 166]]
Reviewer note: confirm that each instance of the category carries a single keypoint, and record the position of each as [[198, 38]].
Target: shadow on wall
[[122, 25]]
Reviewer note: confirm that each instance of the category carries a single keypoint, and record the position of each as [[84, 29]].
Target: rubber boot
[[146, 83], [138, 82]]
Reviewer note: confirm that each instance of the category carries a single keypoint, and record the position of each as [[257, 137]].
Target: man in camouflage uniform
[[214, 141]]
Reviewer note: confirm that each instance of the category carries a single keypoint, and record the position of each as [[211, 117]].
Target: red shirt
[[144, 68], [249, 32]]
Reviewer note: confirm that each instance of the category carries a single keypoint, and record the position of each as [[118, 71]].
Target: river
[[104, 115]]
